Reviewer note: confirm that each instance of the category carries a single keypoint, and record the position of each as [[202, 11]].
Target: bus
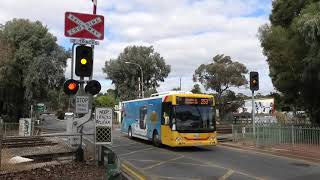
[[174, 119]]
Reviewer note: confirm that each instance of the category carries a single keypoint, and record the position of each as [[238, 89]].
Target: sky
[[187, 33]]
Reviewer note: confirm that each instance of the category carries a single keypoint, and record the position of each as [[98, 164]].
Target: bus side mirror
[[166, 120]]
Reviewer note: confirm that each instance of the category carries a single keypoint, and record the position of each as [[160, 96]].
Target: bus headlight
[[179, 139], [212, 138]]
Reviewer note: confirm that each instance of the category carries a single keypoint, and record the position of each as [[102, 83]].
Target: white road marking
[[227, 175], [135, 151], [163, 162]]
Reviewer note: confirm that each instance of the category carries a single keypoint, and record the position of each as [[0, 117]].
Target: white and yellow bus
[[173, 119]]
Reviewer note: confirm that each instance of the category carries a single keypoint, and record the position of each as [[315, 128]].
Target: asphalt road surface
[[211, 162], [217, 162], [51, 124]]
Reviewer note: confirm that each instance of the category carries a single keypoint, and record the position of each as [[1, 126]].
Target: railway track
[[26, 142]]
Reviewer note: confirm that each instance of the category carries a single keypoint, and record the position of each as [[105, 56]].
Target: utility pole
[[253, 109], [180, 84], [142, 91]]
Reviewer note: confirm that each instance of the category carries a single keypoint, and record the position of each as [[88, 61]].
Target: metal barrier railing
[[296, 138]]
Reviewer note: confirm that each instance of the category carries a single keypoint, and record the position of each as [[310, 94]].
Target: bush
[[60, 114]]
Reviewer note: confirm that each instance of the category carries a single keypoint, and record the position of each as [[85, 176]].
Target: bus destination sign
[[193, 101]]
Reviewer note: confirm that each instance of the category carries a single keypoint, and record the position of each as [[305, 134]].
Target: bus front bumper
[[185, 143]]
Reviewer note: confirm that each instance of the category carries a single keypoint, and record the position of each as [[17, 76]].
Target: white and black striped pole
[[94, 12], [97, 155], [94, 6]]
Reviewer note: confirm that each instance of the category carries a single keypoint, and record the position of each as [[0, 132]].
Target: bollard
[[79, 155], [112, 165]]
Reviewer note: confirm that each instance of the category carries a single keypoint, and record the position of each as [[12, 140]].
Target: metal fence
[[286, 138], [12, 129]]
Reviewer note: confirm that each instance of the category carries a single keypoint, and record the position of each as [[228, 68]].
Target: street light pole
[[142, 91]]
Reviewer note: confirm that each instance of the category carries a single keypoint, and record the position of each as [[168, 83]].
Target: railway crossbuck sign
[[86, 26]]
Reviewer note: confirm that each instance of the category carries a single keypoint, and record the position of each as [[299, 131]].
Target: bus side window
[[167, 113]]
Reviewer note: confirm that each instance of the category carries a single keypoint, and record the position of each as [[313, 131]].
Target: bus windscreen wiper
[[199, 114]]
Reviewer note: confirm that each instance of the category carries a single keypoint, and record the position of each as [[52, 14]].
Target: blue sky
[[187, 33]]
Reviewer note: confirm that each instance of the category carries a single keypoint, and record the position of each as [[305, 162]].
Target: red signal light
[[70, 87]]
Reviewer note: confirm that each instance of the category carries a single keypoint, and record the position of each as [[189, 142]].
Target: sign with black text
[[103, 124], [82, 104]]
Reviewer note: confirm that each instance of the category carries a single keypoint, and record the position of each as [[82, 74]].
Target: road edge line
[[132, 172], [296, 157]]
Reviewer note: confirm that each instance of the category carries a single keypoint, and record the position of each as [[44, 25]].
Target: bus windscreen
[[195, 118]]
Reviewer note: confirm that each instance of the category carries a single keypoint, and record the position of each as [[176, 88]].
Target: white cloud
[[186, 33]]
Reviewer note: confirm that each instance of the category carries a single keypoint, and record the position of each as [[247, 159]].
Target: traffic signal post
[[85, 29], [81, 91], [254, 86]]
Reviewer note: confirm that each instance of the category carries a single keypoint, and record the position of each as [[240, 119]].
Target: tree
[[108, 99], [279, 102], [149, 92], [284, 11], [196, 89], [231, 103], [125, 76], [291, 45], [34, 67], [220, 76]]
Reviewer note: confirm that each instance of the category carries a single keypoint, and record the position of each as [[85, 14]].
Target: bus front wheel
[[156, 139]]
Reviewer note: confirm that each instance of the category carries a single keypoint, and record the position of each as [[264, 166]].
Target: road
[[210, 162], [203, 162], [51, 124]]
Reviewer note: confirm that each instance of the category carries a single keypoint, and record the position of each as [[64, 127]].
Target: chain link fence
[[300, 139]]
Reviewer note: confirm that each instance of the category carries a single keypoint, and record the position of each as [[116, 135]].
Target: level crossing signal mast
[[254, 81], [83, 68]]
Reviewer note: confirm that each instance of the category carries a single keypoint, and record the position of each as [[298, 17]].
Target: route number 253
[[204, 101]]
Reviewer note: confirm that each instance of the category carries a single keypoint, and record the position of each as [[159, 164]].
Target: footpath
[[297, 151]]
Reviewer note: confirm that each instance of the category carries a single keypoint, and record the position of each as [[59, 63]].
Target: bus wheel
[[130, 133], [156, 139]]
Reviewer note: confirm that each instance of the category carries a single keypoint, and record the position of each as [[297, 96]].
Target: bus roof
[[171, 93]]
